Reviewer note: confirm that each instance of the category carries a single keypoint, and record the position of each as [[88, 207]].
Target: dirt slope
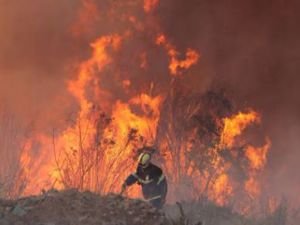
[[77, 208]]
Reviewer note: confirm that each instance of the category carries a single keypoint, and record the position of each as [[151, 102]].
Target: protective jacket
[[153, 182]]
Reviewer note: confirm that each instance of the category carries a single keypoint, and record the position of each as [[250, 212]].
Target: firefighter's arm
[[130, 180], [159, 175]]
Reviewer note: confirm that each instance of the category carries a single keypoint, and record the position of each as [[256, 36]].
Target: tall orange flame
[[176, 66]]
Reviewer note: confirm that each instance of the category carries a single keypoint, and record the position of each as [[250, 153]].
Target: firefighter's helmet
[[144, 159]]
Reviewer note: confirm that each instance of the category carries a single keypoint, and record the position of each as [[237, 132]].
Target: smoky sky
[[250, 48], [35, 47]]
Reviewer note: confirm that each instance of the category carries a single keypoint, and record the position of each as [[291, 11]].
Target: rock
[[18, 211]]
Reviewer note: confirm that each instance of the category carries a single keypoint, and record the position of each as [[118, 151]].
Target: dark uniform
[[153, 182]]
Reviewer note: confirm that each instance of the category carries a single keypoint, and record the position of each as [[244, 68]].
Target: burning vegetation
[[130, 92]]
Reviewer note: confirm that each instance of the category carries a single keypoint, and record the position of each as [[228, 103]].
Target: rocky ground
[[71, 207], [78, 208]]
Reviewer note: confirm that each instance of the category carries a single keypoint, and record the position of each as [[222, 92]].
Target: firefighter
[[152, 180]]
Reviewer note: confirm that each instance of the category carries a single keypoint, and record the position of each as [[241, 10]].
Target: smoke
[[250, 48], [35, 48]]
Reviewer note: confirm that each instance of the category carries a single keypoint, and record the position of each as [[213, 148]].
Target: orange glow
[[149, 5], [258, 156], [127, 129], [87, 15], [143, 58], [235, 125], [114, 117], [176, 66], [126, 84], [51, 170], [221, 190], [99, 59], [273, 204], [40, 172], [252, 187]]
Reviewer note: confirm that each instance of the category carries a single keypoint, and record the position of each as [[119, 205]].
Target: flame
[[258, 156], [88, 69], [221, 190], [98, 148], [49, 169], [235, 125], [131, 131], [252, 187], [176, 66], [40, 172]]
